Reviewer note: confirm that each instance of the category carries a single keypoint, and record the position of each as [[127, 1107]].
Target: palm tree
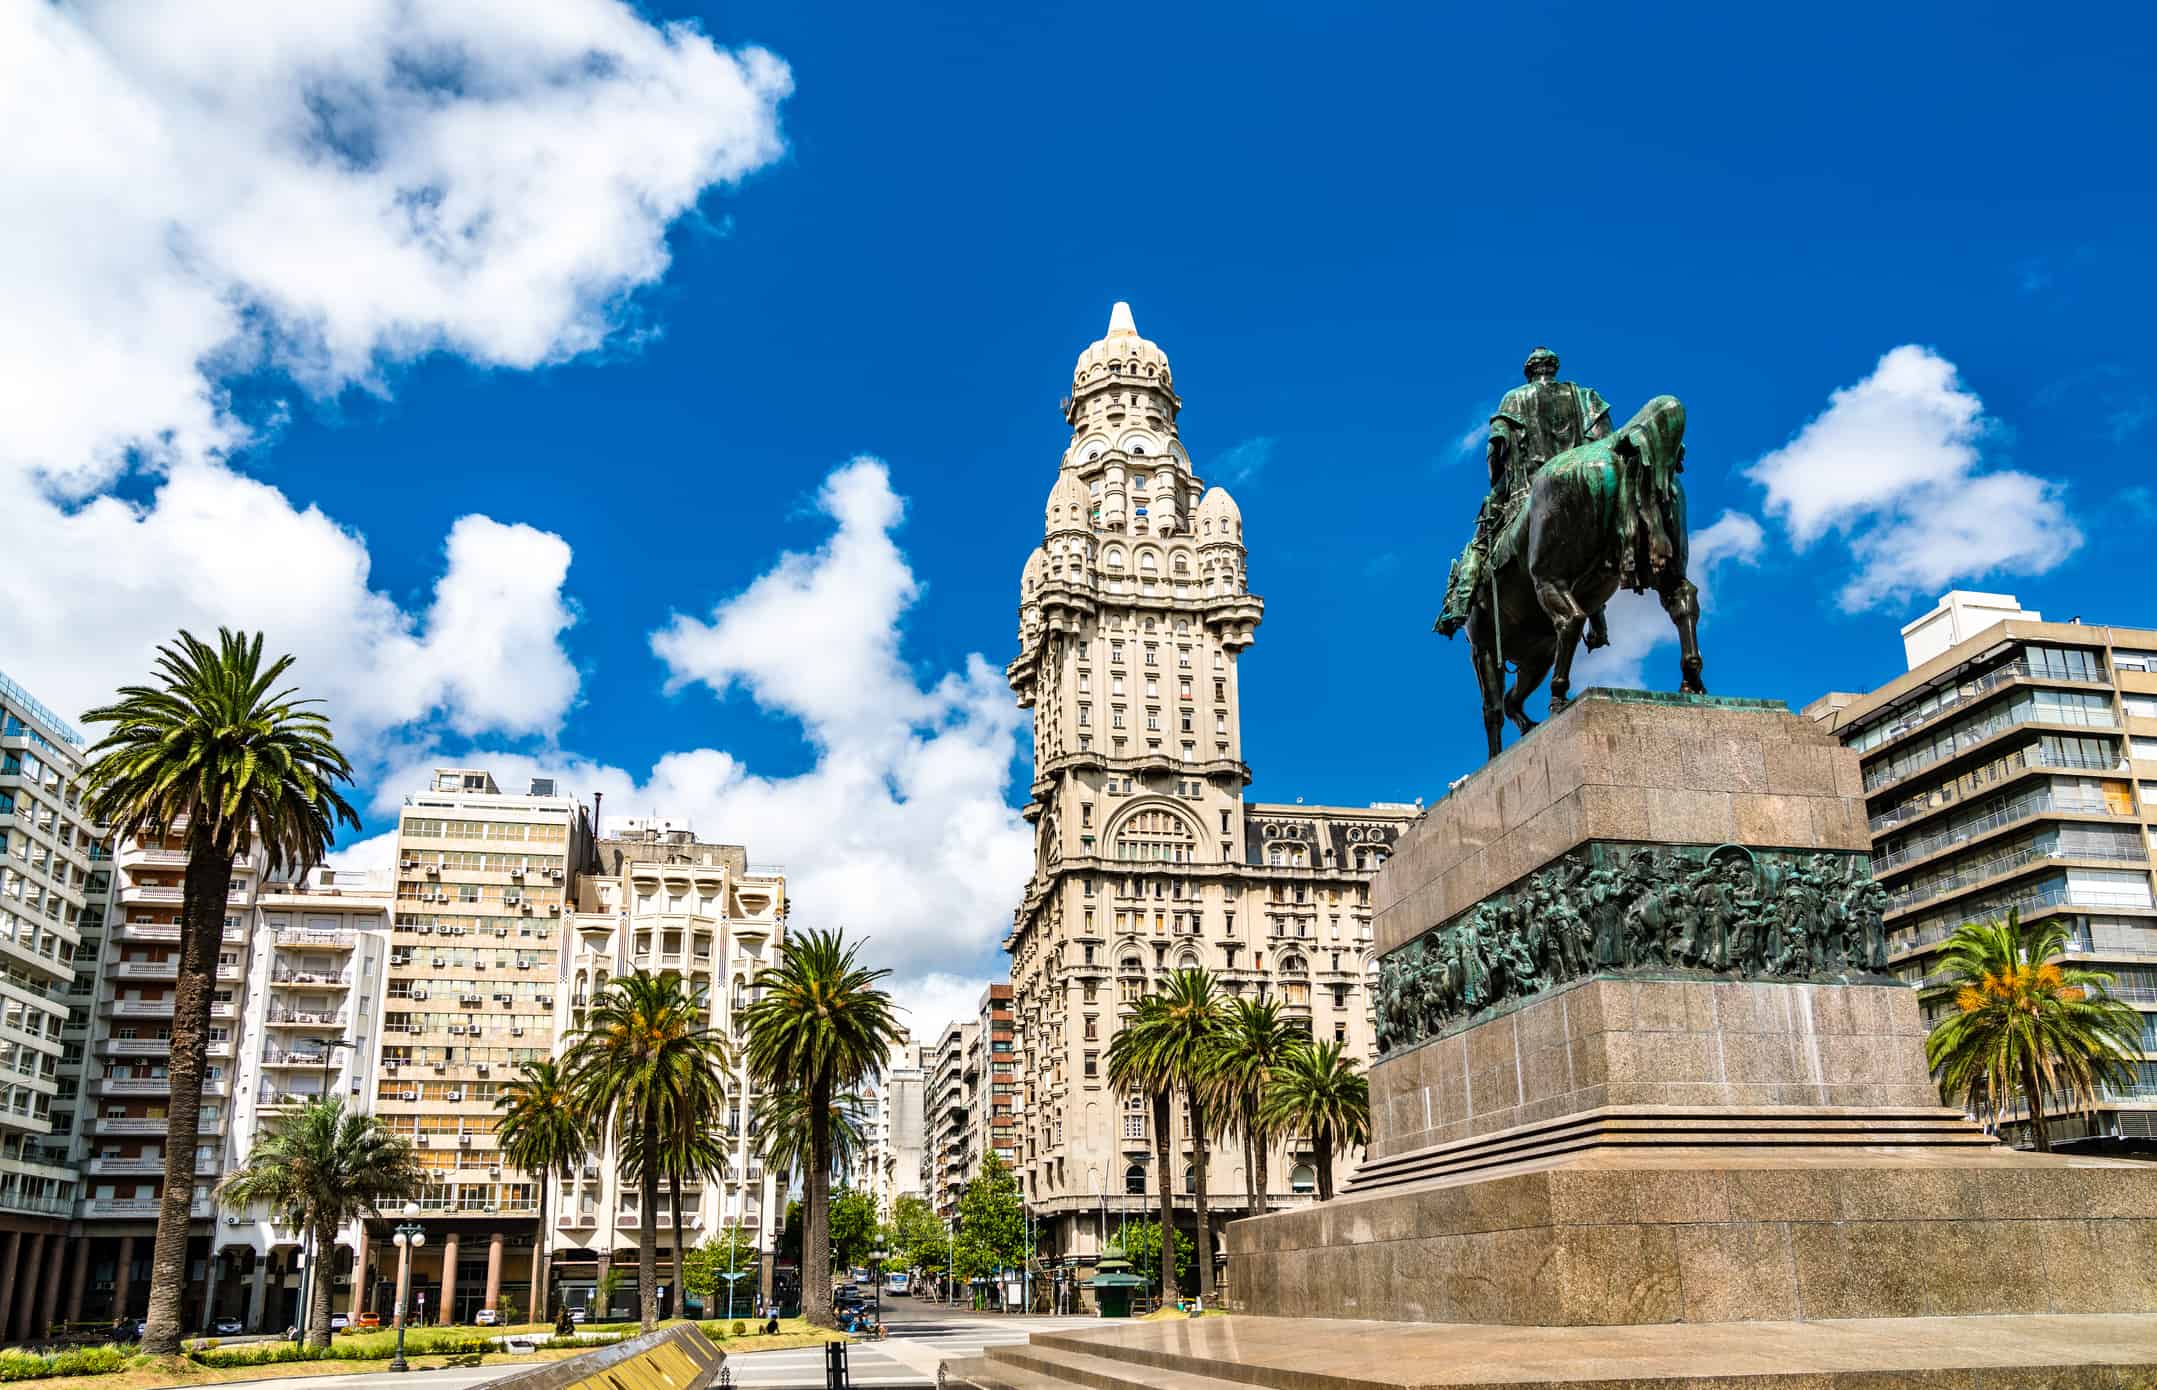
[[691, 1148], [1253, 1040], [644, 1055], [320, 1167], [1134, 1067], [1317, 1090], [219, 754], [2023, 1025], [543, 1133], [780, 1122], [820, 1026]]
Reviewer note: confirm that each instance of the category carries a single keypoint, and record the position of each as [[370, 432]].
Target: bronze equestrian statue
[[1602, 514]]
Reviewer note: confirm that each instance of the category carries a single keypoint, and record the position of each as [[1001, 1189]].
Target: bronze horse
[[1605, 515]]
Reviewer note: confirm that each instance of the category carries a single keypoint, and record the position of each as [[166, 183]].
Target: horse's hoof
[[1597, 640]]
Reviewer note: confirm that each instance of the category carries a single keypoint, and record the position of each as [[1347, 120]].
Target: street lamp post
[[408, 1237], [876, 1273]]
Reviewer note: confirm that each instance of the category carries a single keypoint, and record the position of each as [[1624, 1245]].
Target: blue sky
[[703, 280]]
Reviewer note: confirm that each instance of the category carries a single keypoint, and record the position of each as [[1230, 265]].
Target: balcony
[[42, 1206], [137, 1208], [283, 1057], [319, 940], [146, 970], [149, 1125], [302, 1018], [134, 1047], [308, 979], [127, 1167]]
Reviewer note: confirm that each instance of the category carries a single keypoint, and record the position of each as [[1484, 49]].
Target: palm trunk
[[674, 1200], [1164, 1158], [1198, 1196], [816, 1210], [318, 1284], [1254, 1136], [539, 1311], [209, 880], [2036, 1100], [648, 1245], [1323, 1143]]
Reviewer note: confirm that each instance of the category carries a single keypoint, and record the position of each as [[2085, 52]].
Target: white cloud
[[309, 196], [900, 831], [1472, 440], [1638, 625], [374, 852], [1893, 467]]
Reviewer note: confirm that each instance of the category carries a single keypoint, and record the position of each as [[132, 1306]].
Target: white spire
[[1119, 322]]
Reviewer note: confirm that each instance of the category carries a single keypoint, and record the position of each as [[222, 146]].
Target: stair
[[1621, 1129], [1057, 1363]]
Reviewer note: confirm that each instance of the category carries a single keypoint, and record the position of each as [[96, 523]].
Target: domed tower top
[[1069, 507], [1219, 521], [1121, 358]]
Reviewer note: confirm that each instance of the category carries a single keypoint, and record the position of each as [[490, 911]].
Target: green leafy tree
[[1177, 1039], [917, 1238], [820, 1027], [644, 1057], [854, 1227], [1317, 1090], [1136, 1066], [542, 1132], [2024, 1027], [1142, 1247], [320, 1167], [992, 1222], [218, 754], [732, 1247], [1252, 1041]]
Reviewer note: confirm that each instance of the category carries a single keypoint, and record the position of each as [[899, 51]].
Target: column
[[362, 1286], [76, 1278], [539, 1311], [258, 1296], [48, 1303], [123, 1276], [404, 1284], [209, 1286], [606, 1262], [494, 1269], [27, 1290], [449, 1278], [10, 1255]]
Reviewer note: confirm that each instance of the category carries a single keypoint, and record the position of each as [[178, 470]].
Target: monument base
[[2113, 1352]]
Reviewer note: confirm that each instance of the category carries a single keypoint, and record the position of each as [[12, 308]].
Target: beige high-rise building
[[2013, 767], [484, 879], [660, 899], [1134, 618]]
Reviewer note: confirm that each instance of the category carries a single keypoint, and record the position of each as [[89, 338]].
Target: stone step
[[1074, 1363], [1778, 1129]]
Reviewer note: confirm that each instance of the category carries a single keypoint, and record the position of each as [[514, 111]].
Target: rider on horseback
[[1534, 424]]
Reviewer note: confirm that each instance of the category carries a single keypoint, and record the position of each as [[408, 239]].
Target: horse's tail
[[1650, 504]]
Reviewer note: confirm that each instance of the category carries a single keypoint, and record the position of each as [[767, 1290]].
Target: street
[[923, 1336]]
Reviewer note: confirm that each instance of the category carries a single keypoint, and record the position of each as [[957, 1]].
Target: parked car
[[486, 1317], [339, 1322], [228, 1327], [367, 1322], [578, 1315]]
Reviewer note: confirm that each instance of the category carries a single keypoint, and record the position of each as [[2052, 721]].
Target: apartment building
[[972, 1104], [485, 881], [52, 880], [2014, 766], [889, 1163], [1135, 620], [658, 898], [951, 1144]]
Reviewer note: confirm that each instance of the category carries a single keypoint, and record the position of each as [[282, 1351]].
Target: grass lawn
[[153, 1373]]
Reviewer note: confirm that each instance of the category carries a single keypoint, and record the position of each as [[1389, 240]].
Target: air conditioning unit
[[483, 1069], [516, 873], [390, 1067], [412, 1095], [457, 1028], [554, 909], [422, 1142], [434, 871], [494, 1172], [516, 1032], [510, 897], [419, 994], [440, 1068], [235, 1221], [526, 909], [408, 864], [524, 965], [464, 1141], [555, 874], [457, 1095], [423, 931], [501, 931]]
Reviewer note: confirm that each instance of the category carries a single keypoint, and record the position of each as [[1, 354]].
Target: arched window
[[1302, 1180], [1148, 562], [1190, 1178], [1134, 1180], [1180, 563], [1293, 965], [1157, 835], [1112, 558]]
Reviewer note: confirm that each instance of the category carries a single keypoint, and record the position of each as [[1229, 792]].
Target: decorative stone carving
[[1617, 908]]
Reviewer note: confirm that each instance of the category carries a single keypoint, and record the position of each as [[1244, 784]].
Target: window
[[1093, 1065], [1302, 1180], [1134, 1177]]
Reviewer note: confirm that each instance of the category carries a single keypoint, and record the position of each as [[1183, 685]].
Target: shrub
[[739, 1329], [75, 1361]]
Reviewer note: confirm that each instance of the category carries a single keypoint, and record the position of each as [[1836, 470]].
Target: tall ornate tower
[[1133, 614]]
